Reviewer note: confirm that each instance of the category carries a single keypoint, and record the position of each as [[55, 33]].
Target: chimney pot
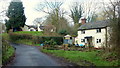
[[83, 21]]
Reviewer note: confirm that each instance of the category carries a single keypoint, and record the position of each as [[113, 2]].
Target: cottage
[[29, 28], [93, 34]]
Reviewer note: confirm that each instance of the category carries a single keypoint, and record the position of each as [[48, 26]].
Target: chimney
[[83, 21]]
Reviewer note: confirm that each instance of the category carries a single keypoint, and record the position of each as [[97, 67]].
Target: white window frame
[[98, 30], [98, 40], [83, 32], [82, 40]]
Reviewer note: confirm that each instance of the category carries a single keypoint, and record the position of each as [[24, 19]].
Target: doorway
[[89, 41]]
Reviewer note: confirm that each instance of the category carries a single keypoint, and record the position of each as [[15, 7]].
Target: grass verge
[[7, 52], [26, 42], [82, 58]]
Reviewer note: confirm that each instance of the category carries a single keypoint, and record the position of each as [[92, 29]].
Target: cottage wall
[[95, 36], [25, 28]]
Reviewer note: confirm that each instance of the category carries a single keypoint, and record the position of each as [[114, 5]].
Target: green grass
[[37, 44], [7, 54], [24, 41], [34, 33], [7, 51], [78, 57], [5, 36]]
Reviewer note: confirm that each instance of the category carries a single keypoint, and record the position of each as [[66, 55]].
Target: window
[[98, 30], [98, 40], [70, 37], [83, 32], [31, 30], [82, 40]]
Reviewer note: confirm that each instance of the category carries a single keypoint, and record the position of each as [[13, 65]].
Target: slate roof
[[94, 25], [31, 26], [42, 27]]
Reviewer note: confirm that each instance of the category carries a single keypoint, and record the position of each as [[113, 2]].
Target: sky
[[30, 6], [32, 14]]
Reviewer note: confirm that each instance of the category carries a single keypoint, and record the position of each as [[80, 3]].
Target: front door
[[89, 42]]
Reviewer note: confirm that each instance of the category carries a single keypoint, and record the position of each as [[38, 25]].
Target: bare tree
[[3, 7], [112, 10], [39, 21], [58, 21], [76, 12], [55, 13], [90, 9], [48, 7]]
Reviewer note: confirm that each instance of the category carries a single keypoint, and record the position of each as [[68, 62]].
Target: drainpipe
[[106, 37]]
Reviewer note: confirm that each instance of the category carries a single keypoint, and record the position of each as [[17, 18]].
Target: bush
[[50, 42], [63, 32]]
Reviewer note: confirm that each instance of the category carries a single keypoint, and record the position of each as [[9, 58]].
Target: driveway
[[31, 56]]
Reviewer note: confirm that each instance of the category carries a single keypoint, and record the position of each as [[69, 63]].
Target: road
[[31, 56]]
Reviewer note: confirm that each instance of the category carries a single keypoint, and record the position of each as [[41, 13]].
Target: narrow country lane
[[31, 56]]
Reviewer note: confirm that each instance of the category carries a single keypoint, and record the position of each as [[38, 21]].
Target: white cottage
[[93, 34]]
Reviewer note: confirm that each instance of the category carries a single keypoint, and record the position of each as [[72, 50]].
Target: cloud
[[30, 11]]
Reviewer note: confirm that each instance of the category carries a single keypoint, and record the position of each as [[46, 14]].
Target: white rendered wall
[[95, 36]]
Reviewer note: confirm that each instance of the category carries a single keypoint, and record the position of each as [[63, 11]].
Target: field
[[82, 58], [34, 33]]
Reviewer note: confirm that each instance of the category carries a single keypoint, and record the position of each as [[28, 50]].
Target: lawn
[[79, 57]]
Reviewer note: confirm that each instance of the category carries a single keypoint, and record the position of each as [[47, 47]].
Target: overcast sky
[[30, 5], [32, 14]]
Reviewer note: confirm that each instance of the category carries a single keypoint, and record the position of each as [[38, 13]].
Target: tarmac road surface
[[31, 56]]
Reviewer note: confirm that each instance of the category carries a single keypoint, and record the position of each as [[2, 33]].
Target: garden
[[53, 44], [85, 58]]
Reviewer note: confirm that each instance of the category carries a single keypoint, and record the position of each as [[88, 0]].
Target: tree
[[55, 14], [48, 7], [115, 26], [59, 22], [76, 13], [113, 12], [16, 16], [2, 10], [90, 8]]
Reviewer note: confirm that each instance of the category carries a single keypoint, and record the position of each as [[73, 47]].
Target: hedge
[[15, 36], [36, 39], [42, 39]]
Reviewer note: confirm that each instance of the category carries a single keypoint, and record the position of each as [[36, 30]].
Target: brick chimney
[[83, 21]]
